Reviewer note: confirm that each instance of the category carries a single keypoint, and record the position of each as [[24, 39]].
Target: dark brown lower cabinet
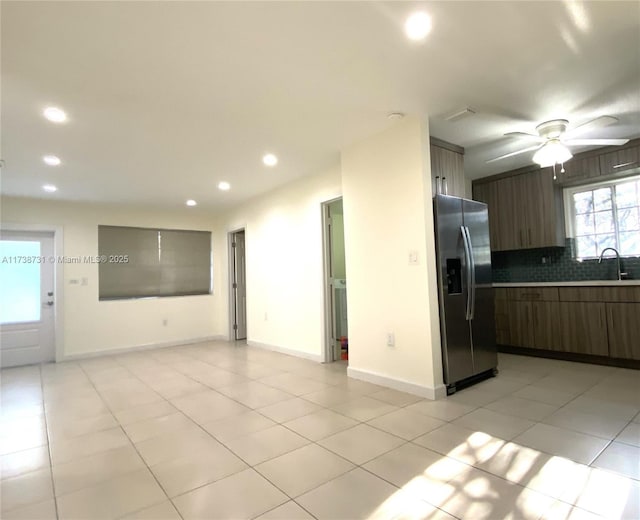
[[623, 322], [520, 324], [546, 325], [584, 328], [503, 336], [591, 321]]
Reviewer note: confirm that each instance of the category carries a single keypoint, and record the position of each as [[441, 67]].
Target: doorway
[[238, 289], [27, 300], [335, 277]]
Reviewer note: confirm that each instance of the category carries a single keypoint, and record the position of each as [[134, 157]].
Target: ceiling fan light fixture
[[552, 152]]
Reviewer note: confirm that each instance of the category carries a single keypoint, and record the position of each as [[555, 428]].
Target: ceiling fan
[[554, 138]]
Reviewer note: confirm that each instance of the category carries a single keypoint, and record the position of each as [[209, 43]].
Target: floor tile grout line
[[272, 458], [399, 407], [139, 455], [46, 425], [249, 466], [280, 505]]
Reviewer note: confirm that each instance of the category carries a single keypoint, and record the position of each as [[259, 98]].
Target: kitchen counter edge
[[580, 283]]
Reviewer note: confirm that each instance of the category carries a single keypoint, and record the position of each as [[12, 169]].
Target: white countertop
[[581, 283]]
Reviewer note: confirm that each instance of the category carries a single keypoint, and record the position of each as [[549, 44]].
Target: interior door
[[240, 286], [27, 303]]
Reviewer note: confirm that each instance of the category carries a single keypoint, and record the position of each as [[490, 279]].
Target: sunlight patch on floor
[[513, 482]]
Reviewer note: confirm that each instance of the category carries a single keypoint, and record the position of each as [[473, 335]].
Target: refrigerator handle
[[467, 265], [473, 276]]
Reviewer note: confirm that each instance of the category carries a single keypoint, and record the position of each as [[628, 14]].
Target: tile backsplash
[[556, 264]]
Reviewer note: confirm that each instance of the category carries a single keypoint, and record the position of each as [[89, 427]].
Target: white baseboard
[[289, 351], [427, 392], [135, 348]]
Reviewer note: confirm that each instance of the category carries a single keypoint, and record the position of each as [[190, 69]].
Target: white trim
[[135, 348], [283, 350], [58, 250], [569, 207], [427, 392]]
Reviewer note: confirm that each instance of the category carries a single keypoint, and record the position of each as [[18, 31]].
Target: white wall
[[284, 264], [91, 326], [386, 183]]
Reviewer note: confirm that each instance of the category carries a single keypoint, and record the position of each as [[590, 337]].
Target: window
[[606, 215], [19, 281], [144, 262]]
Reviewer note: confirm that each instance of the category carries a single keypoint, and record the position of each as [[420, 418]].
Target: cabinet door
[[546, 325], [623, 320], [619, 161], [488, 193], [510, 214], [543, 224], [450, 166], [503, 337], [520, 324], [578, 169], [584, 328]]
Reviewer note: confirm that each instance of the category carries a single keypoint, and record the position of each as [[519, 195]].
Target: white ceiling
[[166, 99]]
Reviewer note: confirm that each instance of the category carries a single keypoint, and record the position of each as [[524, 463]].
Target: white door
[[336, 326], [27, 302], [239, 286]]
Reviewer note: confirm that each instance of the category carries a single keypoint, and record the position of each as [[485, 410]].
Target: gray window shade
[[161, 262]]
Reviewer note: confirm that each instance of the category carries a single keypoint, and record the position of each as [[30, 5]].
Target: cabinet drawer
[[542, 294], [600, 294]]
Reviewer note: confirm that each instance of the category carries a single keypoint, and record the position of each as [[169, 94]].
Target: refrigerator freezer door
[[455, 329], [483, 338]]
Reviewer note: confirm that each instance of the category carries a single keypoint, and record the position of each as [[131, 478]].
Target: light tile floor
[[219, 430]]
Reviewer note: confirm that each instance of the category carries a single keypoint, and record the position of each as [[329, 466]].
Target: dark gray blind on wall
[[161, 262]]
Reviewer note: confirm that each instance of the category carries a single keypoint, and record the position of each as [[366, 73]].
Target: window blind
[[146, 262]]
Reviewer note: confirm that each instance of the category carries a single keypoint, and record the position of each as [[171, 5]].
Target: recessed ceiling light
[[51, 160], [50, 188], [55, 114], [191, 202], [224, 186], [270, 159], [417, 26]]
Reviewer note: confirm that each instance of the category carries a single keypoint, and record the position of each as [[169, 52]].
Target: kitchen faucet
[[620, 274]]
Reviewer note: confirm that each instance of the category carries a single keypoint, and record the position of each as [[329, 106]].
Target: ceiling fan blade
[[526, 136], [598, 142], [598, 122], [530, 149]]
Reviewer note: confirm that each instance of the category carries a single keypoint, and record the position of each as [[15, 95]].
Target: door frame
[[232, 295], [328, 350], [58, 277]]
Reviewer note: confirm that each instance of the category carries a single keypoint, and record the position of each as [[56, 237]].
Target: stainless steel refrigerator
[[467, 323]]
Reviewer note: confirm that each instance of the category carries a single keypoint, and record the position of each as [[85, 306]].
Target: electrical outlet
[[165, 322], [265, 317], [391, 339]]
